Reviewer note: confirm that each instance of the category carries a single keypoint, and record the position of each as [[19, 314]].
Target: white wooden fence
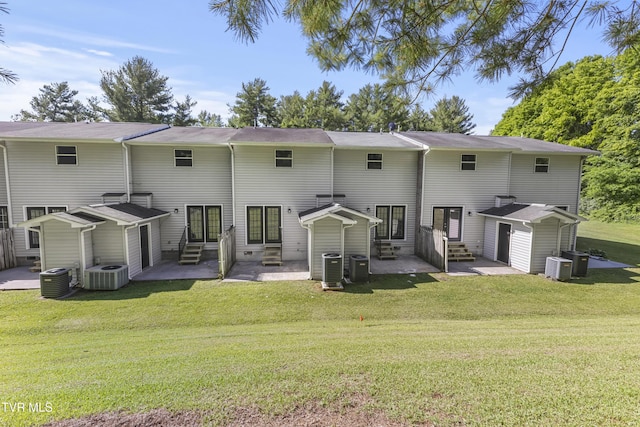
[[431, 246], [226, 251]]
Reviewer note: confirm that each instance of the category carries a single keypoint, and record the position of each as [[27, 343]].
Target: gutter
[[126, 246], [424, 163], [7, 183], [84, 255]]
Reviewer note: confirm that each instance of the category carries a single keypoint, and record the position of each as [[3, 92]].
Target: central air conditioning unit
[[332, 271], [558, 268], [106, 277]]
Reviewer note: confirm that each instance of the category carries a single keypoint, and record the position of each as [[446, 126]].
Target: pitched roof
[[76, 220], [531, 213], [372, 140], [267, 136], [123, 213], [334, 210], [192, 135], [106, 131], [458, 141]]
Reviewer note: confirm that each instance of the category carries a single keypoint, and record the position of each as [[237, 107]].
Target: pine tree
[[56, 103], [451, 115], [254, 106], [136, 92]]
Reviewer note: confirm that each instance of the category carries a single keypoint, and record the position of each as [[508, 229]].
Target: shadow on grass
[[616, 251], [603, 276], [133, 290], [389, 282]]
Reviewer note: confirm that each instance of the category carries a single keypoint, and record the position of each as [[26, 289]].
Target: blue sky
[[72, 40]]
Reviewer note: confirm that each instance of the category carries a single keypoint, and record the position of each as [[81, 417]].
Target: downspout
[[309, 247], [559, 241], [371, 226], [530, 246], [331, 180], [41, 249], [126, 170], [575, 229], [509, 174], [6, 181], [233, 184], [422, 191]]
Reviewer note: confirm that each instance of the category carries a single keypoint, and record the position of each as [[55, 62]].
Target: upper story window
[[183, 157], [66, 155], [284, 158], [374, 161], [36, 211], [542, 164], [468, 162]]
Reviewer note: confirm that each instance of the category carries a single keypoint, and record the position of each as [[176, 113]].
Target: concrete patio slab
[[404, 264], [481, 266], [605, 263], [171, 270], [19, 278], [247, 271]]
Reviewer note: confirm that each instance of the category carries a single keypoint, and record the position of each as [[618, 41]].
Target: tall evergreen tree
[[254, 106], [136, 92], [324, 108], [56, 103], [291, 110], [451, 115], [182, 115], [207, 119], [374, 108]]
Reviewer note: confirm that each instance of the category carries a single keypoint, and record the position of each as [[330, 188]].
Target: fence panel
[[432, 247], [226, 251], [7, 250]]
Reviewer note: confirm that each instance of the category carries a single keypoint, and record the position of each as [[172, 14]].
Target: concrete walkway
[[19, 278], [171, 270], [251, 271]]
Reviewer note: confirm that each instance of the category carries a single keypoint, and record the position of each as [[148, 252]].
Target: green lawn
[[510, 350]]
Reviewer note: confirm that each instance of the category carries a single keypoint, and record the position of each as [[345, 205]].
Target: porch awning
[[76, 220], [337, 211], [123, 213], [531, 213]]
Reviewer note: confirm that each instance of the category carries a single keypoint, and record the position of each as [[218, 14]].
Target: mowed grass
[[432, 349]]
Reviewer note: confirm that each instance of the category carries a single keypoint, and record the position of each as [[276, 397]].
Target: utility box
[[558, 268], [332, 268], [54, 283], [358, 268], [580, 262]]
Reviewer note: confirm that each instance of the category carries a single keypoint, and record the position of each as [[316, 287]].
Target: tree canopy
[[451, 115], [5, 75], [136, 92], [417, 44], [254, 106], [593, 103], [55, 103]]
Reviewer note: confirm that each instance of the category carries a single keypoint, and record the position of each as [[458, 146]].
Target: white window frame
[[464, 162], [375, 161], [177, 158], [280, 158], [537, 165], [73, 155]]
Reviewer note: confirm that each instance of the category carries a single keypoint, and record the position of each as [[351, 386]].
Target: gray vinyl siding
[[108, 244], [559, 186], [259, 183], [490, 238], [520, 256], [61, 245], [207, 182], [134, 261], [36, 180], [356, 238], [327, 237], [545, 240], [446, 185], [393, 185]]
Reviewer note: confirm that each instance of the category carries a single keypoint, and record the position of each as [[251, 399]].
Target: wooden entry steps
[[272, 254], [385, 250], [191, 253], [37, 266], [458, 252]]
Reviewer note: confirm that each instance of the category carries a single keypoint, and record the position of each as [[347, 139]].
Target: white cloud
[[99, 52]]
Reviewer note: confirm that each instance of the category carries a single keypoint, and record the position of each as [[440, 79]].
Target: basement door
[[504, 242], [449, 220]]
